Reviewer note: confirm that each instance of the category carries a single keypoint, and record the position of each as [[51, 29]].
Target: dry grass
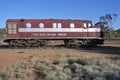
[[66, 67]]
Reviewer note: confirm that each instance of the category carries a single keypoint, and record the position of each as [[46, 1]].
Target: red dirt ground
[[11, 56]]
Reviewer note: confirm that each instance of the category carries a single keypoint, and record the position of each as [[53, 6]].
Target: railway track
[[51, 44], [5, 46]]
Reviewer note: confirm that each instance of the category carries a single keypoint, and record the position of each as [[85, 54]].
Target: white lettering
[[51, 34], [62, 34], [35, 34], [42, 34]]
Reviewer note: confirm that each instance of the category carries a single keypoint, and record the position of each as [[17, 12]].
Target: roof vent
[[21, 20]]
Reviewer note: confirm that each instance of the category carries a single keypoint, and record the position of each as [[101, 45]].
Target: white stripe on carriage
[[59, 30]]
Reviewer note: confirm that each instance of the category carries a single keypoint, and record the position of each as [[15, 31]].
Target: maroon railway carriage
[[37, 32]]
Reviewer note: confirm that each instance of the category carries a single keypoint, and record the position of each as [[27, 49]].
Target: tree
[[107, 22], [117, 33], [2, 33]]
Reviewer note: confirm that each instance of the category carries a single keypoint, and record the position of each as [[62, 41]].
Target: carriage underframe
[[15, 43]]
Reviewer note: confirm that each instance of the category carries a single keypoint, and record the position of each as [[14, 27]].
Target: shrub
[[76, 68]]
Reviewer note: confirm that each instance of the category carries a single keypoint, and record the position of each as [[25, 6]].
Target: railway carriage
[[37, 32]]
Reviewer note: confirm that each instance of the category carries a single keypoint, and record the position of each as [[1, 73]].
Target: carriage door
[[12, 29]]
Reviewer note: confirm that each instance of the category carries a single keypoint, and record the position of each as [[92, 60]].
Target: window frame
[[12, 28]]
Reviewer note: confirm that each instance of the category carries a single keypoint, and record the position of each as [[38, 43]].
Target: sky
[[58, 9]]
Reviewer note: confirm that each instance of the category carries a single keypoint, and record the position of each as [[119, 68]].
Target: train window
[[12, 28], [41, 25], [89, 25], [28, 25], [9, 31], [59, 25], [14, 31], [85, 25], [72, 25], [54, 25]]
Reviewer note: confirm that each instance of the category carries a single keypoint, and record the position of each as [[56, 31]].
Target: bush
[[78, 68]]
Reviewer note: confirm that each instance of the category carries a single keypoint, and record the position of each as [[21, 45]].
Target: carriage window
[[54, 25], [28, 25], [41, 25], [89, 25], [57, 25], [12, 28], [85, 25], [72, 25]]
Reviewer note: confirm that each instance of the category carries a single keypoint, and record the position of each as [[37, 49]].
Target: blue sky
[[58, 9]]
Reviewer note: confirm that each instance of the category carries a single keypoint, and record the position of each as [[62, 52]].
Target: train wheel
[[67, 43], [27, 44], [13, 44], [88, 43], [43, 42], [34, 44]]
